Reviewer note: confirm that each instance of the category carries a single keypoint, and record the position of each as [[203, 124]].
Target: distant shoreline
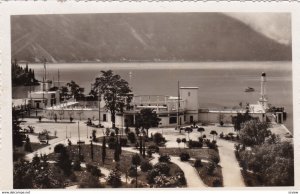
[[170, 65]]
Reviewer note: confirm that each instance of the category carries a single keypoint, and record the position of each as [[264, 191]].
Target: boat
[[249, 89]]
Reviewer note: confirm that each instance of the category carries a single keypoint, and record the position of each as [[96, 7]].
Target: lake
[[221, 84]]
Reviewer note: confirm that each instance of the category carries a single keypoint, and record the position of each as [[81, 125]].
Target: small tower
[[263, 98]]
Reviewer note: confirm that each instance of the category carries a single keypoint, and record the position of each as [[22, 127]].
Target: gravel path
[[192, 177], [232, 176]]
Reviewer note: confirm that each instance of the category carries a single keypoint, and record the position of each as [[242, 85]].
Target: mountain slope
[[140, 37]]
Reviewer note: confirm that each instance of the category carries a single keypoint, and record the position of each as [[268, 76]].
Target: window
[[173, 120], [191, 119], [104, 117], [189, 93]]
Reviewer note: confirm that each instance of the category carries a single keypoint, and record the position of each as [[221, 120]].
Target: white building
[[172, 110], [43, 98]]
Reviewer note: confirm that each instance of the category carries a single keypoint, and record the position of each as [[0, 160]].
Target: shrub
[[123, 141], [200, 139], [76, 165], [111, 145], [215, 159], [158, 138], [111, 139], [217, 183], [94, 135], [90, 182], [180, 178], [198, 163], [146, 165], [210, 168], [27, 145], [151, 175], [221, 123], [211, 145], [164, 158], [73, 177], [132, 171], [162, 168], [127, 130], [114, 178], [194, 144], [59, 148], [184, 156], [204, 136], [112, 134], [95, 171], [131, 136], [221, 135], [154, 148], [149, 153]]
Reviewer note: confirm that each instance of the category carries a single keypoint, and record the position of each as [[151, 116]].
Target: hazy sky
[[276, 26]]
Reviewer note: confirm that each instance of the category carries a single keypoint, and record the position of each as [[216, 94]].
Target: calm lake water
[[221, 84]]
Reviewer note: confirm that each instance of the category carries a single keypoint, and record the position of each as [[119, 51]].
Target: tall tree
[[115, 92], [136, 161], [201, 130], [213, 133], [103, 149], [146, 119], [254, 133], [18, 137], [76, 90]]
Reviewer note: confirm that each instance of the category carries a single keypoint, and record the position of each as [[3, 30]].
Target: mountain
[[125, 37]]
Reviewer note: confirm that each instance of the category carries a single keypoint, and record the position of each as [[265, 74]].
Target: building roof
[[45, 92], [189, 87]]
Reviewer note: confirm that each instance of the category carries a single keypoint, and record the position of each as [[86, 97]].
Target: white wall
[[190, 96]]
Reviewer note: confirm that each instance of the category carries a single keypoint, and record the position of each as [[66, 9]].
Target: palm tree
[[213, 132], [189, 130], [136, 161], [201, 130], [183, 141], [178, 140]]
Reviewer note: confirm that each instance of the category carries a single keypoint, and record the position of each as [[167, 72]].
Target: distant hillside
[[140, 37]]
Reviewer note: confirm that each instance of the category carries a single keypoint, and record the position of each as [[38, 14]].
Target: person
[[55, 118]]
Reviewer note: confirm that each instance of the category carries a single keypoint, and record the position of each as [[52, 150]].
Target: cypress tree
[[92, 150], [103, 150]]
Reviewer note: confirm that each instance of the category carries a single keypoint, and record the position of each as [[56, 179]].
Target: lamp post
[[79, 148], [142, 144], [99, 100], [87, 132]]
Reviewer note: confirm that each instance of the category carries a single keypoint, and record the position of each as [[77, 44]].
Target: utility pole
[[99, 100], [78, 133], [178, 106], [79, 148]]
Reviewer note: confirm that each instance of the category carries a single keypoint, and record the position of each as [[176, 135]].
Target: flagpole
[[178, 105]]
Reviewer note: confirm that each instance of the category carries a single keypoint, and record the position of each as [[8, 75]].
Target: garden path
[[192, 177], [231, 171]]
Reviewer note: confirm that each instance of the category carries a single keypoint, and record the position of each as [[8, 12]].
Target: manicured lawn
[[36, 146], [201, 153], [109, 163], [20, 152], [124, 164]]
